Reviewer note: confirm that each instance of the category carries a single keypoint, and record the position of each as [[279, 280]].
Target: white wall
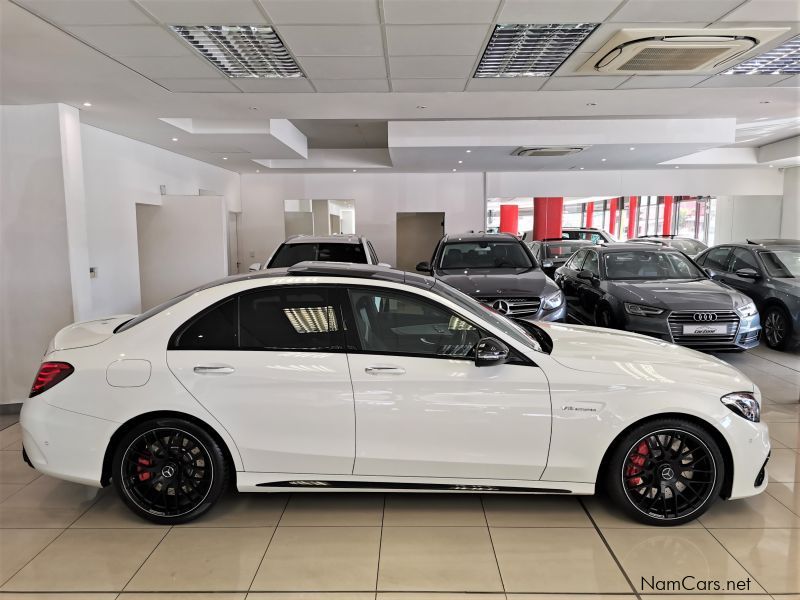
[[377, 197], [742, 217], [790, 217], [119, 173]]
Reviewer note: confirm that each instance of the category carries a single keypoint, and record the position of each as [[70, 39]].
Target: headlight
[[748, 310], [553, 300], [743, 404], [640, 310]]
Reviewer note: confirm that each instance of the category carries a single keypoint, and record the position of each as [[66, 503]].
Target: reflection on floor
[[61, 537]]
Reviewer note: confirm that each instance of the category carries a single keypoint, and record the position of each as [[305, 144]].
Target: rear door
[[588, 290], [567, 279]]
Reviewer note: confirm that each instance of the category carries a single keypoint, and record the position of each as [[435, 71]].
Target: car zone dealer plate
[[705, 329]]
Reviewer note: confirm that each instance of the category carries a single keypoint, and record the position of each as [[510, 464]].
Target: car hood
[[609, 351], [86, 333], [498, 282], [679, 294]]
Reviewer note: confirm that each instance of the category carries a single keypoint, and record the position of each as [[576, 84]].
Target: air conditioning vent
[[546, 151], [675, 52]]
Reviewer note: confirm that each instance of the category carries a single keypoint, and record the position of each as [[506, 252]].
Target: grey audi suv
[[657, 291]]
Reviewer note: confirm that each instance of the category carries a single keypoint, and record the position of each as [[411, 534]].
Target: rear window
[[290, 254], [690, 247], [562, 250]]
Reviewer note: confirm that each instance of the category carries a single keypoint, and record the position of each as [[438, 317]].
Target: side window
[[592, 263], [213, 329], [717, 258], [288, 319], [391, 323], [576, 260], [743, 259]]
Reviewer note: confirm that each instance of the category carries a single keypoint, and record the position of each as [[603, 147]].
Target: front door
[[423, 409], [269, 364]]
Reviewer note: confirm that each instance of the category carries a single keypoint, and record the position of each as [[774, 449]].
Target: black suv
[[769, 272], [499, 270]]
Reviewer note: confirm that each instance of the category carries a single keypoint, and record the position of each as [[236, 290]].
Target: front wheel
[[777, 327], [666, 472], [169, 471]]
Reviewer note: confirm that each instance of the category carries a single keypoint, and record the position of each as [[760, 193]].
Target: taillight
[[50, 373]]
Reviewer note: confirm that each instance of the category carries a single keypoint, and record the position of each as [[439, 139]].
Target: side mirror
[[710, 272], [587, 275], [489, 352], [254, 267], [424, 267], [548, 264], [748, 273]]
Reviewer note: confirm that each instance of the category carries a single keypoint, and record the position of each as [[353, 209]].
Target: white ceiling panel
[[645, 82], [606, 31], [428, 85], [674, 11], [586, 82], [506, 84], [131, 40], [168, 67], [332, 40], [343, 67], [766, 11], [739, 81], [89, 12], [417, 67], [351, 85], [280, 86], [793, 81], [315, 12], [219, 84], [205, 12], [441, 40], [421, 12], [556, 11]]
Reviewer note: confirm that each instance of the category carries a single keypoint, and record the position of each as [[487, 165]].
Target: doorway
[[417, 236]]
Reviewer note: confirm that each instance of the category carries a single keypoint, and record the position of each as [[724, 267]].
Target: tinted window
[[400, 324], [690, 247], [291, 254], [717, 258], [288, 319], [743, 259], [574, 263], [562, 250], [592, 263], [641, 264], [214, 329], [485, 255]]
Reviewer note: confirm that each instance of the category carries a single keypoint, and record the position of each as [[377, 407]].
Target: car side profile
[[261, 379], [553, 253], [336, 248]]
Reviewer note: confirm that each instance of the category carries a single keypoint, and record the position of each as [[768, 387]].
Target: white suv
[[335, 248], [261, 379]]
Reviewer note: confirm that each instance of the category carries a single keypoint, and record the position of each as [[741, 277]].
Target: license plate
[[703, 329]]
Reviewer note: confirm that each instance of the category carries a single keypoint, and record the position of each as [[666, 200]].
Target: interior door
[[270, 366], [423, 409]]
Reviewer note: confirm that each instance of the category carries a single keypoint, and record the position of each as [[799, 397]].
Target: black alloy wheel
[[169, 471], [666, 473], [776, 327]]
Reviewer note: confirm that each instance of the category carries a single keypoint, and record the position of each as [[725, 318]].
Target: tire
[[169, 471], [777, 327], [649, 476], [603, 317]]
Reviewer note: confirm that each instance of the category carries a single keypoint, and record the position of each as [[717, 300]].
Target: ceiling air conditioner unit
[[546, 150], [676, 51]]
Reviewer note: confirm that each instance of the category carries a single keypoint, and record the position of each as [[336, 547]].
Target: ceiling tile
[[659, 11], [89, 12], [132, 40], [793, 81], [556, 11], [343, 67], [606, 31], [506, 84], [322, 12], [734, 81], [167, 67], [219, 84], [420, 12], [590, 82], [441, 40], [644, 82], [351, 85], [446, 67], [332, 40], [766, 11], [280, 86], [205, 12], [428, 85]]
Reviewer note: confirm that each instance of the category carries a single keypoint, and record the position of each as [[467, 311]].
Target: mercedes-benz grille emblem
[[501, 306], [704, 316]]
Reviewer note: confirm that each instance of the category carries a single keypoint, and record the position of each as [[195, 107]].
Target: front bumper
[[750, 448], [556, 314], [745, 336]]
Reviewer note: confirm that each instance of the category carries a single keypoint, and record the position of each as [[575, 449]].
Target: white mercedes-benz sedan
[[331, 376]]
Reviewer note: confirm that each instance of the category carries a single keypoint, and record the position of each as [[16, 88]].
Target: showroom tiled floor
[[57, 537]]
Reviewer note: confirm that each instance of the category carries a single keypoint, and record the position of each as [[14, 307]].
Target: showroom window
[[389, 323]]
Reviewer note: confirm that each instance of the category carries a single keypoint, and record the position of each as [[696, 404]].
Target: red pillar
[[667, 215], [547, 217], [633, 206], [509, 218], [589, 213], [612, 215]]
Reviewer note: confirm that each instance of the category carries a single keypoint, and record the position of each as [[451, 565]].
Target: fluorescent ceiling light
[[783, 60], [530, 50], [241, 50]]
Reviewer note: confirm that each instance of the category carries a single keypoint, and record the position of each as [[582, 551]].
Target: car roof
[[623, 246], [327, 239], [773, 242], [480, 236], [556, 241]]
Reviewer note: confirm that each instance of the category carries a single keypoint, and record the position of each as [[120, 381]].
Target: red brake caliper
[[636, 462], [143, 462]]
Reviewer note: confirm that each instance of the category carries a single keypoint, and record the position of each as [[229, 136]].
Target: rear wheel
[[169, 471], [666, 472], [777, 327]]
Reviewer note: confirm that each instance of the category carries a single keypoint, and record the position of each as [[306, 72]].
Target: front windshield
[[782, 263], [690, 247], [289, 255], [563, 249], [650, 265], [485, 255], [472, 306]]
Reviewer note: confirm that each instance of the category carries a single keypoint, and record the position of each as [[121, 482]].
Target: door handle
[[214, 370], [385, 371]]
